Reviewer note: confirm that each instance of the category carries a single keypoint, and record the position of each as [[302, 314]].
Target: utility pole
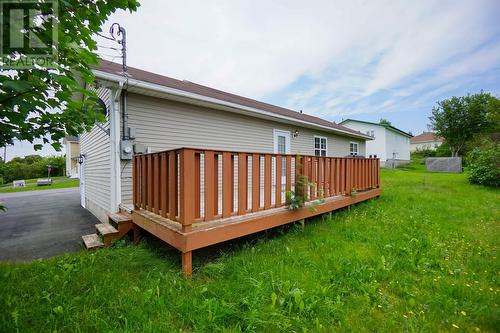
[[121, 32]]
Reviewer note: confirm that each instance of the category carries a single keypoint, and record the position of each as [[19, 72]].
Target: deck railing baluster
[[255, 182], [278, 172], [227, 184], [172, 185], [187, 189], [197, 184], [242, 183], [210, 170], [267, 181], [163, 184]]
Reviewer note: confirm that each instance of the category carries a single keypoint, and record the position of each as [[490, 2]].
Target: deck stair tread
[[106, 229], [92, 241], [119, 218]]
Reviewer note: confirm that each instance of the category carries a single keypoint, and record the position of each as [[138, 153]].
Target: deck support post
[[302, 223], [187, 263], [136, 231]]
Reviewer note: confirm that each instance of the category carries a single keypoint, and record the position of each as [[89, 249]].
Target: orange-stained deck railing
[[193, 185]]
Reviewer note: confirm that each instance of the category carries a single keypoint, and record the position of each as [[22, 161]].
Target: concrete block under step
[[92, 241], [106, 229]]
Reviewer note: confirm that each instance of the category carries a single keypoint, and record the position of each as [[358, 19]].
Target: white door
[[281, 142], [81, 167], [281, 146]]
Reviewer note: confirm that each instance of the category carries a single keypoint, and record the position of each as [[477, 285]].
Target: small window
[[320, 146], [353, 149], [281, 144]]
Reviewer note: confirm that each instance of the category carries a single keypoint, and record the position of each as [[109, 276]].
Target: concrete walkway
[[42, 224]]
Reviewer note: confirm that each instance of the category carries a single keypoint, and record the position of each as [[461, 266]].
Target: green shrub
[[443, 150], [484, 165], [423, 153], [32, 166]]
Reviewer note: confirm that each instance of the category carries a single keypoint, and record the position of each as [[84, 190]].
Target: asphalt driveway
[[42, 224]]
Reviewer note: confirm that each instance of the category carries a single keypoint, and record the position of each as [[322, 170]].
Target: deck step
[[105, 229], [121, 222], [119, 218], [92, 241]]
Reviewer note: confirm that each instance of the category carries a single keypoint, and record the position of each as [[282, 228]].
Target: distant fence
[[443, 164]]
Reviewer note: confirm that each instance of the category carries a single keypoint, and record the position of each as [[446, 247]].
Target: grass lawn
[[422, 258], [31, 186]]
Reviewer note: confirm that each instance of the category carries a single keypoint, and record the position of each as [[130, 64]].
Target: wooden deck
[[192, 198]]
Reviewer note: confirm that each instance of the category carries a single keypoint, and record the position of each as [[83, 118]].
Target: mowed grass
[[421, 258], [31, 186]]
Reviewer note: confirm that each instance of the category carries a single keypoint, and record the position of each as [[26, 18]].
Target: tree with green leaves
[[39, 102], [385, 122], [459, 119]]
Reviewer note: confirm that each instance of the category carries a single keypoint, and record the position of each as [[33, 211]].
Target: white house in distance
[[389, 143], [425, 141], [72, 153]]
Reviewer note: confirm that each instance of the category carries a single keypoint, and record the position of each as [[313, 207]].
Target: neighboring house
[[425, 141], [72, 153], [164, 113], [389, 143]]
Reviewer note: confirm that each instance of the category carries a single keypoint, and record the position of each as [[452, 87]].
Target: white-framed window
[[353, 148], [320, 145]]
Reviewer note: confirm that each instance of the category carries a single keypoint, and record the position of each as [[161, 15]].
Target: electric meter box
[[126, 149]]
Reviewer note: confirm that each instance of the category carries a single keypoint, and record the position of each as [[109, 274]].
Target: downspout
[[124, 107], [115, 147]]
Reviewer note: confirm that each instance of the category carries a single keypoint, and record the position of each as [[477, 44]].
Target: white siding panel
[[397, 146], [96, 147], [162, 125]]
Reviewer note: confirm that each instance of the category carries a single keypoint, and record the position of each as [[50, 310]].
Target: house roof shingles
[[425, 137], [187, 86]]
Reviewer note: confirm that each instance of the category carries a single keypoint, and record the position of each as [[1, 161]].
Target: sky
[[353, 59]]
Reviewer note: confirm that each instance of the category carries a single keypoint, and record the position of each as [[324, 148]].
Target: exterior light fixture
[[295, 133], [80, 158]]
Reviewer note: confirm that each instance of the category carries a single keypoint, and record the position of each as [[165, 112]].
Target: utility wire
[[108, 47], [109, 38]]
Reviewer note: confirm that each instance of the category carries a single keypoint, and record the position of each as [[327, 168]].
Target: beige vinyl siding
[[161, 124], [96, 147]]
